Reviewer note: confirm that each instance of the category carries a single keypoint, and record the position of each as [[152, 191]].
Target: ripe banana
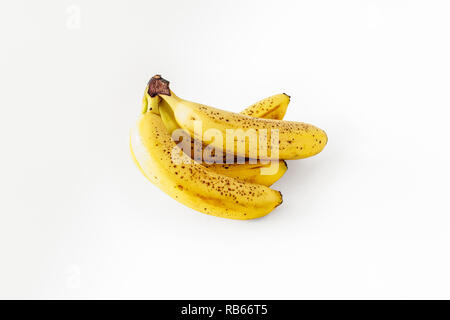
[[275, 105], [191, 183], [249, 172], [283, 139]]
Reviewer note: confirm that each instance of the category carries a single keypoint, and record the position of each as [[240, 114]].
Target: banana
[[275, 106], [276, 139], [249, 172], [191, 183]]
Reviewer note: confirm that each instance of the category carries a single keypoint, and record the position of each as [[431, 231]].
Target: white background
[[367, 218]]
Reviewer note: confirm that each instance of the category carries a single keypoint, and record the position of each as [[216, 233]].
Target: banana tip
[[326, 138], [281, 199]]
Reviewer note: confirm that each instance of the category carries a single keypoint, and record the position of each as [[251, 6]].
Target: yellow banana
[[191, 183], [275, 105], [275, 139], [249, 172]]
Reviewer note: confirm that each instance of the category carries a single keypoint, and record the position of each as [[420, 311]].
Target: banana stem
[[158, 85]]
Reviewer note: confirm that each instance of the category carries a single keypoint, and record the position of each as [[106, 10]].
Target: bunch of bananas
[[229, 178]]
